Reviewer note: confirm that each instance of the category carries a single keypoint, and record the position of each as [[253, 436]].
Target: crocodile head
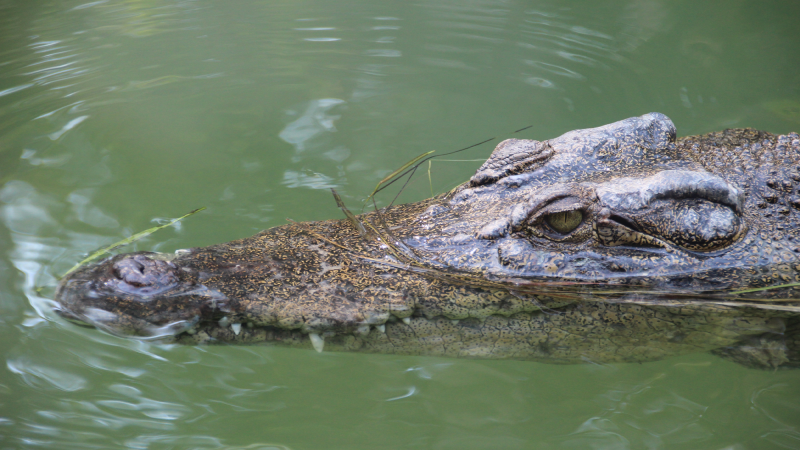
[[621, 203], [626, 210]]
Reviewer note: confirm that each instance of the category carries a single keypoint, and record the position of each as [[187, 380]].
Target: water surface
[[119, 114]]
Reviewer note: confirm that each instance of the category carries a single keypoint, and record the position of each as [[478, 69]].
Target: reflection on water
[[116, 112], [777, 403], [645, 415], [314, 121], [310, 180]]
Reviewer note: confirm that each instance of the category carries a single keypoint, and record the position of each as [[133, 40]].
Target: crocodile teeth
[[223, 322], [454, 321], [381, 328], [407, 320], [237, 328], [362, 329], [317, 341]]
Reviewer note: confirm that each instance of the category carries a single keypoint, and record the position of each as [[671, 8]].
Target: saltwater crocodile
[[611, 244]]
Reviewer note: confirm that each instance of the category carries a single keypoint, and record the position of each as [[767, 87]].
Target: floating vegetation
[[393, 175], [127, 241], [410, 168], [362, 231]]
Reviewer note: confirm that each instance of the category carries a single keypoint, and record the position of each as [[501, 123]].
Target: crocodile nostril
[[143, 274], [130, 270]]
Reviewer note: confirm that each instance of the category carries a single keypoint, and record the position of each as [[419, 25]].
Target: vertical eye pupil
[[564, 222]]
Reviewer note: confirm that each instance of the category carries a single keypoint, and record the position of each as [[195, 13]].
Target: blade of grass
[[127, 241], [396, 172], [430, 182], [768, 288], [415, 166], [362, 231]]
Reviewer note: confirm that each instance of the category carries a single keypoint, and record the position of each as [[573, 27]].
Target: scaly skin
[[611, 244]]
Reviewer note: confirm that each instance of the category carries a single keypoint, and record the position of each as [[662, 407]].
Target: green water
[[116, 115]]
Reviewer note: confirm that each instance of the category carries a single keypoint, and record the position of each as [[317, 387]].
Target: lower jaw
[[553, 338]]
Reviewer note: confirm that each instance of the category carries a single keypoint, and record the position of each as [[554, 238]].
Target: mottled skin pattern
[[611, 244]]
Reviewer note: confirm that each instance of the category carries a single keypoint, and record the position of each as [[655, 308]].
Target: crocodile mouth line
[[226, 332]]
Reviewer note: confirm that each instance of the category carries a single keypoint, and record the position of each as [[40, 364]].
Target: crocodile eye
[[564, 222]]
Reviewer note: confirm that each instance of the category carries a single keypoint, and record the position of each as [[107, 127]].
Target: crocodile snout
[[140, 294]]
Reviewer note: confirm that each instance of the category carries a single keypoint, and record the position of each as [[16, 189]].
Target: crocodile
[[620, 243]]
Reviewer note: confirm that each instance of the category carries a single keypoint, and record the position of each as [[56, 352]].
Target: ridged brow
[[638, 193]]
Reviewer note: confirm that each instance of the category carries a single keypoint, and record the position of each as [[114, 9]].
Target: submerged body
[[618, 243]]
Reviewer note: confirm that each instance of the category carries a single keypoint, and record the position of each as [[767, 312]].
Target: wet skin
[[612, 244]]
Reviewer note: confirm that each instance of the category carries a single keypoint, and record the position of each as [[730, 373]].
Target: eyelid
[[557, 206], [539, 202]]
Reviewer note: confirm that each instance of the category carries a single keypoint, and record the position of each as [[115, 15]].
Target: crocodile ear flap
[[511, 157]]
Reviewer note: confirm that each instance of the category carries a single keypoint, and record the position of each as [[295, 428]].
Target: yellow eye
[[564, 222]]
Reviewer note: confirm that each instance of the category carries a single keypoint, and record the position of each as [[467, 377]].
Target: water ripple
[[45, 377], [554, 69], [384, 53], [15, 89]]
